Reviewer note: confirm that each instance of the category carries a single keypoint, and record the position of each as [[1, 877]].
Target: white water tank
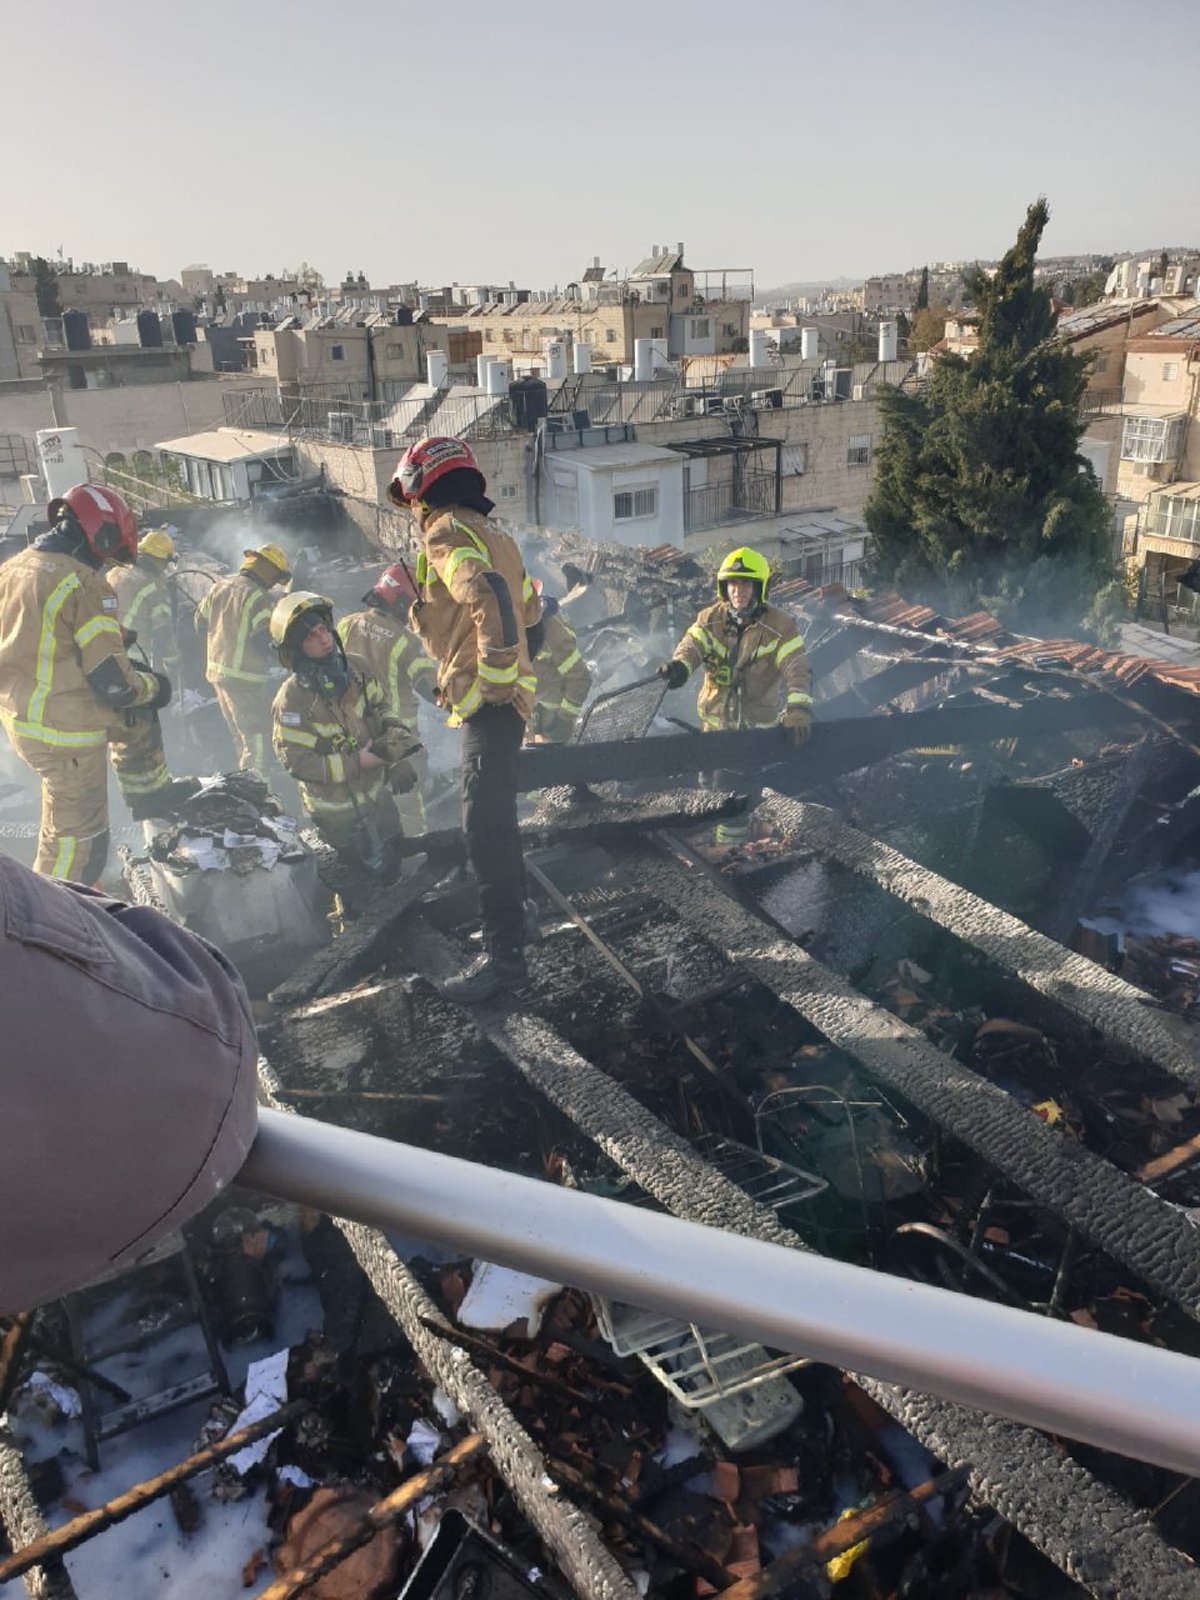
[[581, 354], [498, 377], [61, 456], [758, 347], [889, 341], [810, 344], [437, 368], [482, 363], [648, 356], [125, 331], [555, 352]]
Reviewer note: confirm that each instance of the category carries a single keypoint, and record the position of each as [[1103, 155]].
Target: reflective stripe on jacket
[[237, 614], [752, 673], [476, 602], [58, 623], [563, 677], [146, 610], [381, 647]]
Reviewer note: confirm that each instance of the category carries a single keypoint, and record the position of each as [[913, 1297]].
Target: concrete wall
[[20, 335], [133, 418]]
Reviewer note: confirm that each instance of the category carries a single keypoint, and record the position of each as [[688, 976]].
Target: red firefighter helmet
[[103, 519], [393, 587], [424, 463]]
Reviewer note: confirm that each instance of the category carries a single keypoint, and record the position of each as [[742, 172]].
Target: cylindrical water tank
[[498, 376], [889, 341], [125, 331], [482, 362], [437, 368], [184, 324], [758, 347], [529, 402], [645, 353], [810, 344], [76, 333], [61, 456], [581, 355], [149, 330], [555, 352]]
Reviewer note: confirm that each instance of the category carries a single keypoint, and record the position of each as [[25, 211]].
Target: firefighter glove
[[160, 695], [675, 672], [798, 725], [401, 776]]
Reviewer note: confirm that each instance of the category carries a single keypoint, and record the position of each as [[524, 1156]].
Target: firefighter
[[333, 731], [755, 671], [68, 690], [378, 644], [146, 610], [563, 678], [474, 604], [236, 612]]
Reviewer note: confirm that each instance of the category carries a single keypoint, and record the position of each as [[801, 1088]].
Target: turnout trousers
[[491, 748], [73, 833]]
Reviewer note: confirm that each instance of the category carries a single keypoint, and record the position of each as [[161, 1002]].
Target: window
[[1170, 371], [656, 333], [394, 352], [859, 452], [730, 330], [700, 327], [337, 352], [610, 336], [794, 460], [507, 491], [1101, 364], [26, 334], [631, 503], [1151, 439]]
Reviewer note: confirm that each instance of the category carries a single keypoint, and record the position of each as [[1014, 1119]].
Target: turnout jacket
[[317, 740], [381, 647], [563, 678], [236, 611], [64, 673], [145, 604], [474, 604], [755, 672]]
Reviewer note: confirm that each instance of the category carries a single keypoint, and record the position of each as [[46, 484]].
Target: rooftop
[[227, 444]]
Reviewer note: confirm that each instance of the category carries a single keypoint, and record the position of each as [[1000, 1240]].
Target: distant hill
[[801, 291]]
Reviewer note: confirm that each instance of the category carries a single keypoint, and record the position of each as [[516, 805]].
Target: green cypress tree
[[981, 498], [45, 286], [923, 291]]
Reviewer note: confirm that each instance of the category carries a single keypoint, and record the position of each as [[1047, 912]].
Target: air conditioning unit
[[383, 439], [341, 426]]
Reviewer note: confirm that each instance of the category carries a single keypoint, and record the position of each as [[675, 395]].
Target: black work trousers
[[491, 748]]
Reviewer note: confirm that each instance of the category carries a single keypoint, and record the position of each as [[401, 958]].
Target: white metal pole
[[1131, 1398]]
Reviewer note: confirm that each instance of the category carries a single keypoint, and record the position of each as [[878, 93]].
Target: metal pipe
[[1134, 1399]]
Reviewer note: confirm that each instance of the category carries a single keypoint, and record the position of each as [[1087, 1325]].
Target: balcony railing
[[721, 503]]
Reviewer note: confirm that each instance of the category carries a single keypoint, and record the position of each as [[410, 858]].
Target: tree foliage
[[923, 291], [45, 286], [981, 498], [928, 326]]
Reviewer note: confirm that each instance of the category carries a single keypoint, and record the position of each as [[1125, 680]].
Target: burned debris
[[896, 1027]]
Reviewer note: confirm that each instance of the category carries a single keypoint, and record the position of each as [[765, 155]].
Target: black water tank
[[149, 330], [76, 331], [529, 402], [184, 324], [404, 316]]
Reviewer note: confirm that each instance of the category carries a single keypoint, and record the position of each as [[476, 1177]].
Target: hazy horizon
[[417, 143]]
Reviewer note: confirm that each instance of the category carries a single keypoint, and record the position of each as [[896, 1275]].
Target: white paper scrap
[[266, 1391]]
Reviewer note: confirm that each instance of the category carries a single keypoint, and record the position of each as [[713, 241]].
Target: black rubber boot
[[489, 977]]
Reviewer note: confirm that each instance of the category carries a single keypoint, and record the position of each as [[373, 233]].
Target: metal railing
[[1116, 1393], [731, 501]]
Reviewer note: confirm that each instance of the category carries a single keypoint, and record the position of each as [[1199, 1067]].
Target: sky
[[487, 140]]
